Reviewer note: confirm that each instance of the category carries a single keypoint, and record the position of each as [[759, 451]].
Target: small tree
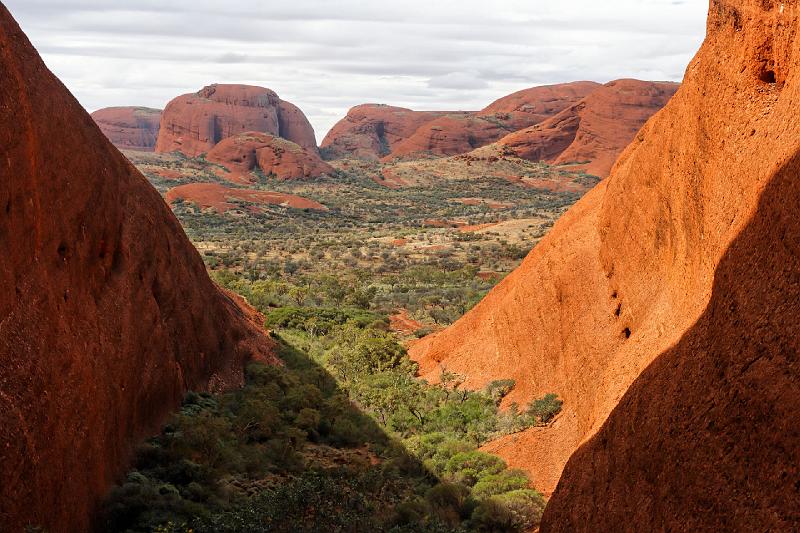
[[545, 409]]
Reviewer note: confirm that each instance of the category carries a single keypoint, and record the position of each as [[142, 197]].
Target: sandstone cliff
[[107, 315], [373, 131]]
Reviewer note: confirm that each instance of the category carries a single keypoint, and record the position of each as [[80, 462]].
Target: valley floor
[[344, 437]]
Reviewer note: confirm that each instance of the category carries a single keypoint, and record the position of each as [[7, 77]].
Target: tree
[[545, 409]]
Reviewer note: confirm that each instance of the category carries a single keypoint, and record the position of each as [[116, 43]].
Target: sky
[[327, 56]]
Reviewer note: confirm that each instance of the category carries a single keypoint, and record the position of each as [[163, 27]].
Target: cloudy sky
[[329, 55]]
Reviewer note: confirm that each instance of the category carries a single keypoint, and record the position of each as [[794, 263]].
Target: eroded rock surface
[[107, 315], [194, 123], [285, 160]]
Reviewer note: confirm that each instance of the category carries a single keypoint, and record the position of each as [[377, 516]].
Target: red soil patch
[[476, 227], [399, 242], [390, 179], [471, 201], [168, 173], [401, 322], [437, 223], [220, 198]]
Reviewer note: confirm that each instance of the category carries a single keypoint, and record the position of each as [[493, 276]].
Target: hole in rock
[[614, 295], [618, 310], [8, 207], [62, 250], [767, 76], [627, 333]]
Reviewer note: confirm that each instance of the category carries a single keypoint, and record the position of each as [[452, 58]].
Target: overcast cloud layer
[[327, 56]]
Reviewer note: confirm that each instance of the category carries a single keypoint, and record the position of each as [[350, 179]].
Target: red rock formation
[[374, 131], [627, 273], [194, 123], [219, 197], [284, 159], [460, 133], [370, 131], [595, 130], [707, 438], [450, 135], [107, 315], [129, 128], [531, 106]]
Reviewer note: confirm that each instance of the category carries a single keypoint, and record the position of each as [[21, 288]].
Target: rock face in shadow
[[628, 271], [129, 128], [272, 155], [594, 131], [107, 315], [370, 131], [195, 123]]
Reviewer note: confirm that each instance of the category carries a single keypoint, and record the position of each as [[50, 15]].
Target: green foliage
[[545, 408], [262, 458], [499, 389], [288, 450], [317, 321], [217, 451], [518, 510], [470, 467], [496, 484]]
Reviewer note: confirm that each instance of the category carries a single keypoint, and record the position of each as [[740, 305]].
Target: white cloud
[[327, 56]]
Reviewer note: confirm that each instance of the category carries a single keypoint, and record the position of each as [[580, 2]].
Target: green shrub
[[502, 482], [525, 506], [448, 501], [491, 516], [545, 408], [411, 512], [469, 467], [499, 389]]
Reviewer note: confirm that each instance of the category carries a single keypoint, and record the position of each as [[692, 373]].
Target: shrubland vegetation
[[341, 438], [344, 436], [403, 244]]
